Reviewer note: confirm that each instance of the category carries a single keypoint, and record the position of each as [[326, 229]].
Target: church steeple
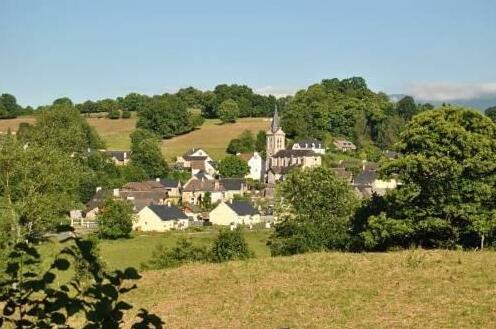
[[276, 138], [275, 121]]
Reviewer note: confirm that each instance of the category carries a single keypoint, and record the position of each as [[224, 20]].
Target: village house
[[172, 186], [94, 205], [160, 218], [344, 145], [291, 158], [223, 189], [344, 174], [255, 162], [140, 194], [311, 145], [120, 158], [368, 183], [276, 174], [197, 160], [234, 212]]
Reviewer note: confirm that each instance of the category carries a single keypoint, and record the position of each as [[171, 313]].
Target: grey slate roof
[[169, 183], [98, 199], [365, 178], [119, 155], [165, 212], [242, 208], [274, 126], [294, 153], [195, 157], [232, 184]]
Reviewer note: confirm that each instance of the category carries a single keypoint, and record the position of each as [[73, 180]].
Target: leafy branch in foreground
[[31, 299]]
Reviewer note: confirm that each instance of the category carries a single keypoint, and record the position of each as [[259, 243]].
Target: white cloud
[[275, 91], [446, 91]]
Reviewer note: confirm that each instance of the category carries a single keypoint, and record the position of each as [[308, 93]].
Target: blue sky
[[107, 48]]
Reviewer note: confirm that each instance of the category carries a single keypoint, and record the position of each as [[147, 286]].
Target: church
[[281, 160]]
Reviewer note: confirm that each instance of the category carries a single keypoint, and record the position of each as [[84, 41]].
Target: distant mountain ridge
[[480, 103]]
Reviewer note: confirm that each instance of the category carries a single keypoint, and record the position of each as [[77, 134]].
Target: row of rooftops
[[172, 212]]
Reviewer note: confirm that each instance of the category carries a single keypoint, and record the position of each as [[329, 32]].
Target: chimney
[[99, 188], [116, 193]]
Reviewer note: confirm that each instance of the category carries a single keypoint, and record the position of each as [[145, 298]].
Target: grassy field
[[139, 248], [211, 136], [409, 289]]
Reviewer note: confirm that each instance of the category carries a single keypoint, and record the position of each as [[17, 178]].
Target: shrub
[[230, 245], [228, 111], [126, 114], [183, 252], [114, 114], [115, 220]]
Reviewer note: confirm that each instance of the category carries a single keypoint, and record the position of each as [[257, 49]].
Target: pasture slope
[[211, 136], [407, 289]]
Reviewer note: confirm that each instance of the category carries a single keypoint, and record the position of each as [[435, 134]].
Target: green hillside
[[409, 289]]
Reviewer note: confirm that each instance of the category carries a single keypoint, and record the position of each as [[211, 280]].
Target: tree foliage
[[166, 116], [9, 107], [447, 170], [34, 196], [249, 103], [146, 153], [315, 209], [115, 220], [228, 111], [31, 298], [183, 252], [491, 113], [244, 143], [233, 166], [230, 245]]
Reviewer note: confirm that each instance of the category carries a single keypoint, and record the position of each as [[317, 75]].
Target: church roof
[[275, 125], [294, 153]]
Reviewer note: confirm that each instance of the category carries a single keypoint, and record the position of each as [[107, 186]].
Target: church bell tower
[[276, 138]]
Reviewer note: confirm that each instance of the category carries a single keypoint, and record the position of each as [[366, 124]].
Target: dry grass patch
[[212, 136], [327, 290]]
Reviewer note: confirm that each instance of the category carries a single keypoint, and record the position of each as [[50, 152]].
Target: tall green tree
[[115, 220], [66, 101], [228, 111], [9, 107], [244, 143], [233, 167], [166, 116], [407, 108], [62, 127], [448, 175], [146, 154], [314, 210], [38, 186], [491, 113]]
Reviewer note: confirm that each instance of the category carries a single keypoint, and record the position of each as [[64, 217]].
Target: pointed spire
[[275, 121]]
